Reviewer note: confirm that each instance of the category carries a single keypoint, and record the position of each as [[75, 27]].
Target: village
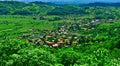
[[66, 35]]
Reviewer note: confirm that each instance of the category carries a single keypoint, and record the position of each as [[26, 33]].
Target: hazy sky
[[82, 1]]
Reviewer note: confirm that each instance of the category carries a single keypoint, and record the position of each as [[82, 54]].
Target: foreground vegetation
[[59, 36]]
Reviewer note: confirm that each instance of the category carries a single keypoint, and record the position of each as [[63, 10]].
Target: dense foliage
[[17, 52]]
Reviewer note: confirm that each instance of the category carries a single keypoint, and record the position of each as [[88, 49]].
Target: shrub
[[69, 58]]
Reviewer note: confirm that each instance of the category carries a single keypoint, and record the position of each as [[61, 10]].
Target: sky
[[80, 1]]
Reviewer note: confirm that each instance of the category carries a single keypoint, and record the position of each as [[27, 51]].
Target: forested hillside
[[48, 34]]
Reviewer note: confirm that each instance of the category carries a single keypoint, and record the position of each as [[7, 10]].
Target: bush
[[12, 46], [31, 57], [69, 58]]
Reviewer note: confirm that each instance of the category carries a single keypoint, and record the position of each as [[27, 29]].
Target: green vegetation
[[45, 34]]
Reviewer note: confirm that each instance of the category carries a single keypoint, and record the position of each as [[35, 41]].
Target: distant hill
[[83, 4], [22, 8], [77, 1], [48, 8], [43, 3], [103, 4]]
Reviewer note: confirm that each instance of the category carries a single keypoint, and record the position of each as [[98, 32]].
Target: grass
[[15, 25]]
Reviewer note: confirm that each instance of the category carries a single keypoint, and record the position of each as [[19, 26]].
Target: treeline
[[97, 12], [21, 8], [16, 52]]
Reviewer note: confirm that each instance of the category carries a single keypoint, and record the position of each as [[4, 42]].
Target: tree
[[4, 10], [69, 58]]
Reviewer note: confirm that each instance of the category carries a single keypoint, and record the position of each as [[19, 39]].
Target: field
[[59, 35]]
